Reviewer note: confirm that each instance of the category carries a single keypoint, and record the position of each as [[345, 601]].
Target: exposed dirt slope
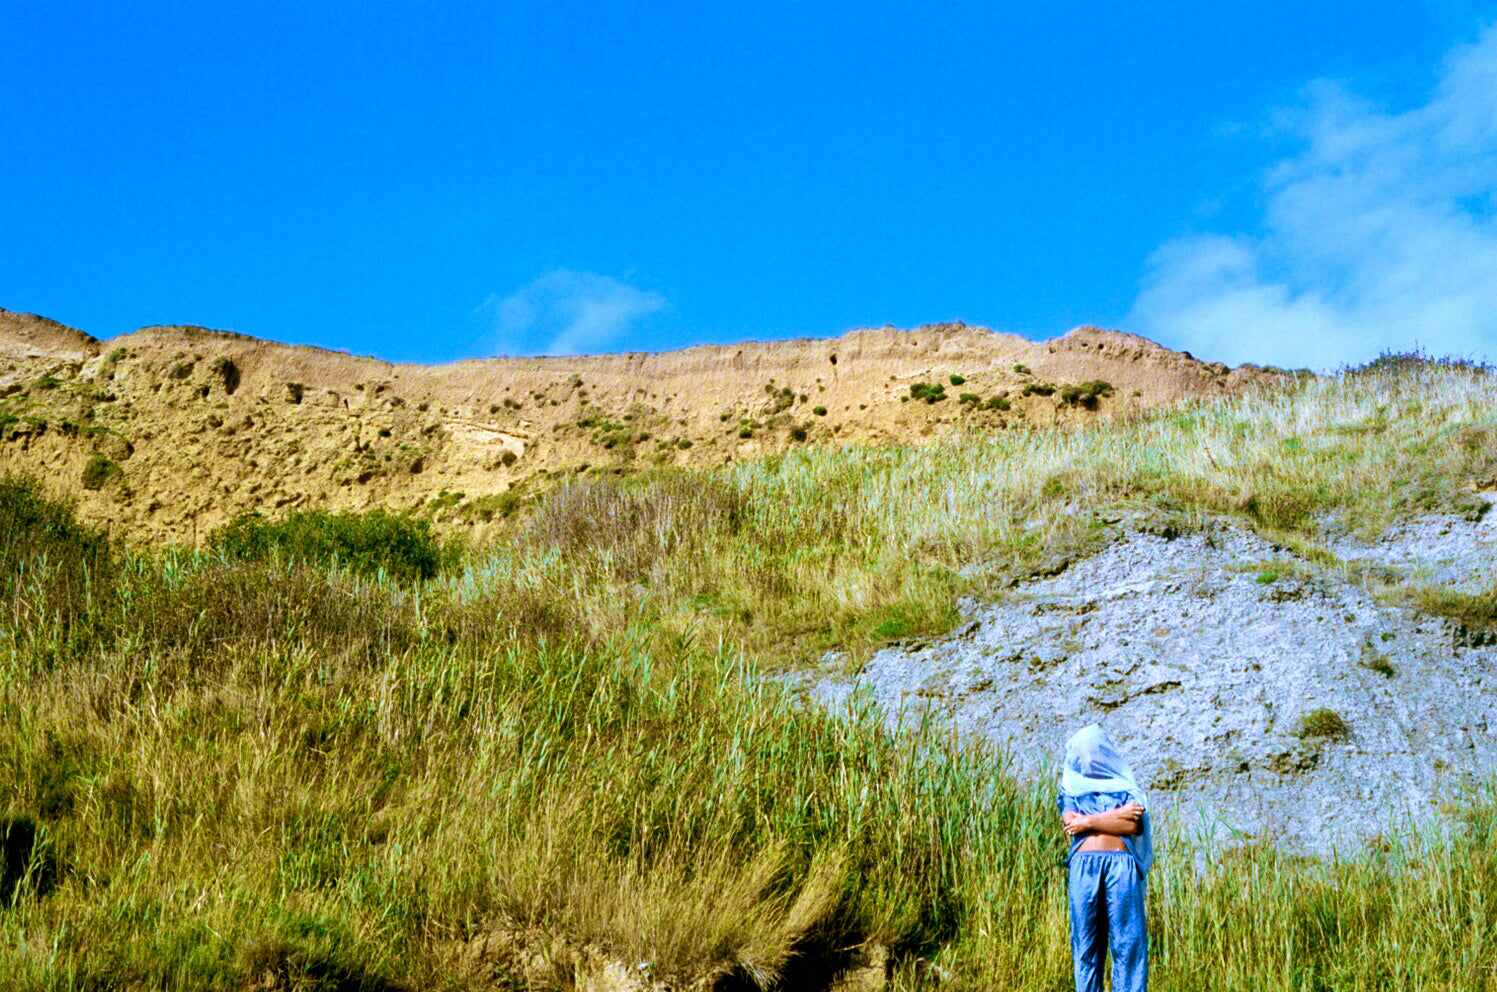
[[169, 431]]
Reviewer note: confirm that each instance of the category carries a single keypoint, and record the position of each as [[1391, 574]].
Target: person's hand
[[1120, 822], [1125, 819], [1076, 823]]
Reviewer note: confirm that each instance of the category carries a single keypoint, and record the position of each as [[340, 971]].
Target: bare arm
[[1125, 821]]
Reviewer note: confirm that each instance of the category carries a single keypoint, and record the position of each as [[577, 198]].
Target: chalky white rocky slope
[[1257, 693]]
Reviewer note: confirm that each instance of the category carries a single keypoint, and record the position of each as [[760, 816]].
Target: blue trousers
[[1107, 909]]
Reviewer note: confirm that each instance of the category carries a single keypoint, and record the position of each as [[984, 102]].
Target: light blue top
[[1140, 845]]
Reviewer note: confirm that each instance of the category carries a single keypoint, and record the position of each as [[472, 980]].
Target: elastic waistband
[[1102, 854]]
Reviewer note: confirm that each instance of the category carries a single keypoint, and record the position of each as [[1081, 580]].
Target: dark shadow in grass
[[22, 861], [279, 964], [824, 955]]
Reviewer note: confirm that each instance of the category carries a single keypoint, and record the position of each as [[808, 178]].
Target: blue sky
[[1272, 182]]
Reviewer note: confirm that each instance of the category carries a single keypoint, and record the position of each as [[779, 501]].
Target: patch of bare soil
[[167, 432]]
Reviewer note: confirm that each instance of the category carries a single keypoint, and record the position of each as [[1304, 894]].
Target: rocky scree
[[1256, 693]]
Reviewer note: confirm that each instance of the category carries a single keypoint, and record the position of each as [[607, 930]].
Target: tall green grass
[[257, 798], [280, 774]]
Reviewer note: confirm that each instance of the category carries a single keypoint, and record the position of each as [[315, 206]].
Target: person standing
[[1106, 815]]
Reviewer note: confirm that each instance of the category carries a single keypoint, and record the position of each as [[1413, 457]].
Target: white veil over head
[[1094, 764]]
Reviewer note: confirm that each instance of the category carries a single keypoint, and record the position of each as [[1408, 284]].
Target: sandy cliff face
[[167, 432]]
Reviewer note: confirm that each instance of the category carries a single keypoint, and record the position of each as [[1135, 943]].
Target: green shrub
[[486, 508], [820, 411], [894, 625], [929, 392], [969, 398], [1057, 485], [909, 619], [1407, 363], [1267, 577], [957, 380], [1086, 393], [1038, 389], [1322, 724], [179, 370], [364, 543], [996, 403], [1022, 369], [48, 559], [608, 433], [781, 399], [99, 472]]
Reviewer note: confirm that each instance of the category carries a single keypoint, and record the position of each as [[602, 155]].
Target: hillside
[[594, 751], [167, 432]]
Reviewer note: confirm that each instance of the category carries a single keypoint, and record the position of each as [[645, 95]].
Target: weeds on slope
[[844, 548], [344, 817], [314, 819]]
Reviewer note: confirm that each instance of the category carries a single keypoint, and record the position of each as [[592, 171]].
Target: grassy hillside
[[276, 767]]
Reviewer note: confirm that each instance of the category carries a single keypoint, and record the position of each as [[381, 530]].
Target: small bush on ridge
[[99, 472], [365, 543], [1086, 393], [929, 392]]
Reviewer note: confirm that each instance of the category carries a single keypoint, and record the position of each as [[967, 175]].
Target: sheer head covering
[[1094, 764]]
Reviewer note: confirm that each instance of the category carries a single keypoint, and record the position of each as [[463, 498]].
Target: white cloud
[[563, 312], [1380, 233]]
